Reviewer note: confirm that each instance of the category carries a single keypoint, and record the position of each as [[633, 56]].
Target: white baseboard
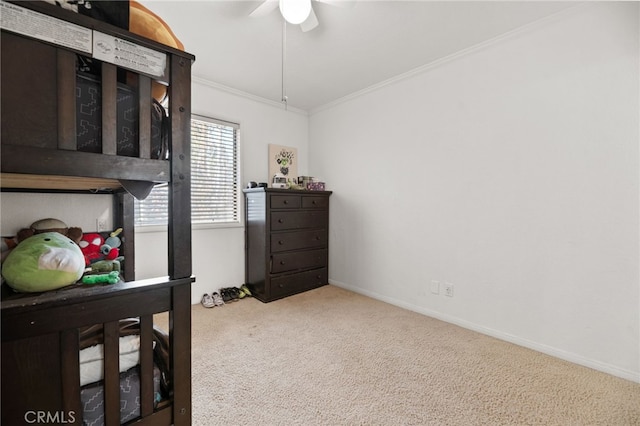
[[545, 349]]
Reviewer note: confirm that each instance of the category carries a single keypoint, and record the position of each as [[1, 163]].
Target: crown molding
[[509, 35], [240, 93]]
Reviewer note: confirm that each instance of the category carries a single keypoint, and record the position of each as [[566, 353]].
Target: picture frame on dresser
[[283, 161]]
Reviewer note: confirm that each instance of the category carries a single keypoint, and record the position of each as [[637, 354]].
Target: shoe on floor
[[226, 295], [207, 301], [241, 294], [234, 292], [245, 290], [217, 299]]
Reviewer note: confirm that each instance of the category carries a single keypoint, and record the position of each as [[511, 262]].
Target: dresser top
[[286, 191]]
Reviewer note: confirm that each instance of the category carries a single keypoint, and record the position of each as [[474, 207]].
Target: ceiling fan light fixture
[[295, 11]]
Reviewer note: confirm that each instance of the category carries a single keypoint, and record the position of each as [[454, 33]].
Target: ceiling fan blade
[[310, 23], [265, 8]]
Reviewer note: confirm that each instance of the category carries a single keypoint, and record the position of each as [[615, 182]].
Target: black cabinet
[[286, 241]]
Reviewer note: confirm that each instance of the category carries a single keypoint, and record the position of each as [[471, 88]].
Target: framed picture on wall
[[283, 160]]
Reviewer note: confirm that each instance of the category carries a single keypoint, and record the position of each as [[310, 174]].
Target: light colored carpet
[[333, 357]]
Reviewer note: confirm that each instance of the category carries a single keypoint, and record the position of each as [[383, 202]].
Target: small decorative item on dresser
[[279, 181], [315, 186], [304, 180]]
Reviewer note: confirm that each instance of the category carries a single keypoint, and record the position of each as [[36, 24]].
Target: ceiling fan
[[296, 11]]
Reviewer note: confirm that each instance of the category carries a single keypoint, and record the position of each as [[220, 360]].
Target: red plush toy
[[94, 248], [90, 246]]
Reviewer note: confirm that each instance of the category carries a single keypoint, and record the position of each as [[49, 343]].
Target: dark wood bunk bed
[[42, 333]]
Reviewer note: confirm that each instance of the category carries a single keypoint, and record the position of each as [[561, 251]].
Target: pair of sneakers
[[244, 292], [212, 300], [232, 294]]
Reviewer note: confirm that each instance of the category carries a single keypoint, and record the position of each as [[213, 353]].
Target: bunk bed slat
[[144, 132], [66, 76], [109, 108], [111, 373], [146, 365]]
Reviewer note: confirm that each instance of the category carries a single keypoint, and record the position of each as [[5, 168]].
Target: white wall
[[510, 171], [19, 210], [218, 253]]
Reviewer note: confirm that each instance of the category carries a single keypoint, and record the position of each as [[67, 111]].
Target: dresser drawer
[[292, 261], [283, 220], [283, 241], [295, 283], [285, 201], [314, 202]]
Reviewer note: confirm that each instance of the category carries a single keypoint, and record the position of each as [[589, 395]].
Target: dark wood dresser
[[286, 241]]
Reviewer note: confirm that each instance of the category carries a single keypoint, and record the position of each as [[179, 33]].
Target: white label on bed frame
[[129, 55], [42, 27]]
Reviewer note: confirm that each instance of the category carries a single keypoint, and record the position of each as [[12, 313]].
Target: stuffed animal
[[50, 225], [90, 245], [110, 278], [38, 227], [43, 262], [95, 248], [110, 248], [6, 245]]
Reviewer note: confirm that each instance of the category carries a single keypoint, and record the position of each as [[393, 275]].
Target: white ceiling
[[353, 47]]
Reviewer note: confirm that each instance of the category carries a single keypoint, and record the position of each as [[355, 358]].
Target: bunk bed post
[[124, 213], [180, 235], [180, 185]]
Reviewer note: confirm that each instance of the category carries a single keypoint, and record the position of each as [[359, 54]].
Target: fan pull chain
[[284, 61]]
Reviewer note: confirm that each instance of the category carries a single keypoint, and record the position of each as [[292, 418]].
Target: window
[[214, 178]]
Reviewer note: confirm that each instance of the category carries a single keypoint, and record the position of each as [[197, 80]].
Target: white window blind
[[214, 177]]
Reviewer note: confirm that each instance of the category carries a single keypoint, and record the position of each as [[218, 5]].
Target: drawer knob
[[280, 242], [280, 221], [317, 238], [282, 262], [285, 202]]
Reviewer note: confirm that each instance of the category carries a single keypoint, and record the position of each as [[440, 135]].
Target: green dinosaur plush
[[110, 278], [43, 262]]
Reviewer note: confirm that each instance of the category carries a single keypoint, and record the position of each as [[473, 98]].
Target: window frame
[[239, 223]]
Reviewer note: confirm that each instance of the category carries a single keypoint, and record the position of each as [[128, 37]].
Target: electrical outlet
[[448, 289], [435, 287], [101, 224]]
